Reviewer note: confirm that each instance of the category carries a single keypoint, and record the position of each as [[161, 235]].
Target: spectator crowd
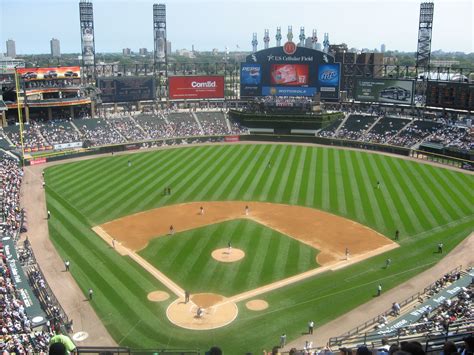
[[18, 335], [122, 127]]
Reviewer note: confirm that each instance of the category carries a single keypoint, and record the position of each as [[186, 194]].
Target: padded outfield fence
[[384, 148]]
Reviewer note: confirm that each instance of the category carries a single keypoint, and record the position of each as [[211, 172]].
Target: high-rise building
[[11, 49], [55, 48], [126, 51], [143, 51], [168, 47], [382, 48]]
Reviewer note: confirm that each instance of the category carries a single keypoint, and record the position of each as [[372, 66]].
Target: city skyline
[[117, 25]]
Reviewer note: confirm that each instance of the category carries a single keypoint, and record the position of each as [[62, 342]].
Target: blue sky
[[217, 24]]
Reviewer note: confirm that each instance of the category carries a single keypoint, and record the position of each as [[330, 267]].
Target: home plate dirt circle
[[257, 305], [217, 312], [158, 296], [227, 255]]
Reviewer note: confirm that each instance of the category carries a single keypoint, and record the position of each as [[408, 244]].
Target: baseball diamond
[[425, 203]]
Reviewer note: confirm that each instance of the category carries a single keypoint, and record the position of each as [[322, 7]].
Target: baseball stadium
[[289, 203]]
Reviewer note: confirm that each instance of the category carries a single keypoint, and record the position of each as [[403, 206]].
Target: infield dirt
[[328, 233]]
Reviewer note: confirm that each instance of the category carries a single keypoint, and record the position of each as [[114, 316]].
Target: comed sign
[[196, 87]]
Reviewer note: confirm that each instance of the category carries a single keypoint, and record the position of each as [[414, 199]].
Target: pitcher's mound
[[227, 255], [257, 305], [158, 296], [217, 312]]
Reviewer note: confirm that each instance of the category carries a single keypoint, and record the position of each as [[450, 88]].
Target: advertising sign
[[88, 51], [287, 91], [328, 79], [126, 89], [49, 73], [230, 139], [285, 71], [38, 161], [250, 78], [70, 145], [251, 74], [196, 87], [289, 74], [384, 90]]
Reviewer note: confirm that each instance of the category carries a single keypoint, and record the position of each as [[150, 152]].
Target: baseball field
[[306, 206]]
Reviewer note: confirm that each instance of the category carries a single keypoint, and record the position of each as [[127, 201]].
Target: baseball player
[[229, 247], [201, 210], [246, 210]]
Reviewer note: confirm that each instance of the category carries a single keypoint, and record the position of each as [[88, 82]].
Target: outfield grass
[[270, 256], [427, 204]]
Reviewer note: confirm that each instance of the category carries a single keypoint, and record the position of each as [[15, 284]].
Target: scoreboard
[[126, 89], [450, 95]]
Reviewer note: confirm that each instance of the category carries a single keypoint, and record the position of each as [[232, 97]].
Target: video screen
[[289, 74]]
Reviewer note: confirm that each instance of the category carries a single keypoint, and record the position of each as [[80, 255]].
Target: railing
[[337, 340], [129, 351], [62, 314], [432, 338], [436, 342]]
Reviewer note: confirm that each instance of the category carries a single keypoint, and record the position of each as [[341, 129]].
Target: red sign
[[231, 139], [49, 73], [289, 48], [289, 74], [38, 161], [196, 87]]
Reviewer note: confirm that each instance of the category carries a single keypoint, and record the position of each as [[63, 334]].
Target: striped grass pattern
[[425, 203], [270, 256]]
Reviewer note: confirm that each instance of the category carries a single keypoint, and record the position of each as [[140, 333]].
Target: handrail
[[398, 335], [130, 351], [47, 288], [374, 320]]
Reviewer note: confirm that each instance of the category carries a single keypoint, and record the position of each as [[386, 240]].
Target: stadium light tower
[[86, 19], [254, 42], [159, 34], [278, 37], [302, 37], [314, 38], [266, 38], [425, 29]]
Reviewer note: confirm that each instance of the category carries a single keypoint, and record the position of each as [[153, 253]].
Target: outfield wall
[[279, 138]]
